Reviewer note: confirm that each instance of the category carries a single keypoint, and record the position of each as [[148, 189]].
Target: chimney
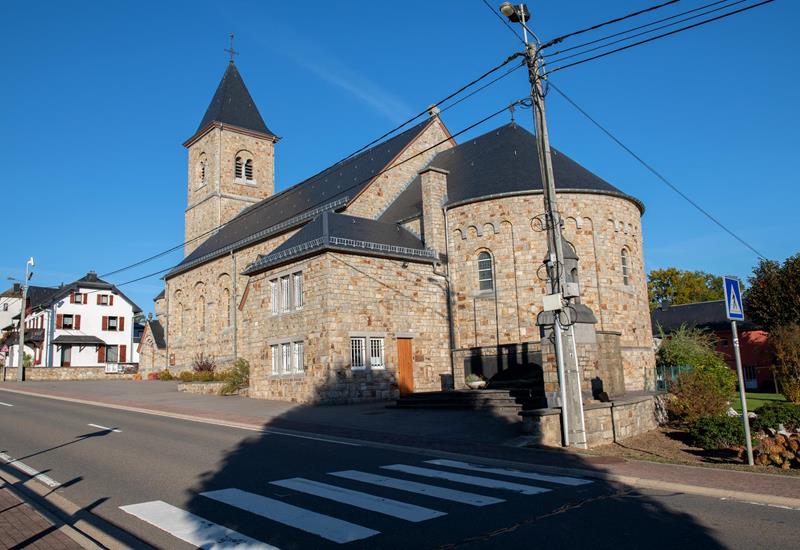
[[433, 183], [17, 288]]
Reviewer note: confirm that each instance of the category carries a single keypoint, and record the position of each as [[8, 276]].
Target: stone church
[[401, 269]]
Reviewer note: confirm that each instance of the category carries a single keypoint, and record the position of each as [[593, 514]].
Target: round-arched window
[[485, 271]]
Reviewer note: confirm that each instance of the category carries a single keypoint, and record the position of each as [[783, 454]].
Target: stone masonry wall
[[510, 229], [64, 373]]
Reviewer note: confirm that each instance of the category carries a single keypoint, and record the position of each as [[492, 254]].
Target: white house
[[87, 323]]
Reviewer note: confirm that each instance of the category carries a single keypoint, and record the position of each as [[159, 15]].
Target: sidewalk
[[462, 432], [21, 526]]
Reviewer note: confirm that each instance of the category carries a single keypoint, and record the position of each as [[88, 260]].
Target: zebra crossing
[[204, 533]]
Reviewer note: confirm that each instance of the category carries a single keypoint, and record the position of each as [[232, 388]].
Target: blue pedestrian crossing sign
[[733, 299]]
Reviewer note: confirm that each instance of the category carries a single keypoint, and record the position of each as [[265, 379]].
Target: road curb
[[632, 481]]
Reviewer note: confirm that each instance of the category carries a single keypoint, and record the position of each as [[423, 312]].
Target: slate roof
[[341, 232], [160, 295], [331, 189], [82, 339], [705, 315], [42, 296], [155, 328], [504, 160], [232, 104]]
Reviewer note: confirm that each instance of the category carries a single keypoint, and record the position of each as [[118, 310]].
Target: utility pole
[[572, 422], [21, 342]]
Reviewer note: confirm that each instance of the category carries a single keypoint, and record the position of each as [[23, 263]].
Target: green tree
[[785, 341], [773, 299], [683, 287]]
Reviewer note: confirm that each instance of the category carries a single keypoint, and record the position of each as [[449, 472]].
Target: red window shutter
[[105, 322], [72, 298], [123, 351], [101, 354], [59, 318], [77, 322], [98, 299], [86, 298], [111, 299], [121, 322]]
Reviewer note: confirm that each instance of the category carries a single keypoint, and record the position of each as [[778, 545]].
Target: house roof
[[42, 296], [157, 330], [81, 339], [705, 315], [331, 231], [233, 105], [331, 189], [160, 295], [502, 161]]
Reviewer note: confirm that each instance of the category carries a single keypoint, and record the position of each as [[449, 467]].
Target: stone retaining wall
[[64, 373], [605, 422], [206, 388]]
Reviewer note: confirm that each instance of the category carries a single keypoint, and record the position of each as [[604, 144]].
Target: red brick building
[[757, 359]]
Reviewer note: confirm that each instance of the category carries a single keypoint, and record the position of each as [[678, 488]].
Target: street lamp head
[[31, 262], [515, 13]]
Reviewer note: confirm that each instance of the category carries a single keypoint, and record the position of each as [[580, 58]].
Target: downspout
[[233, 307], [446, 277], [166, 325]]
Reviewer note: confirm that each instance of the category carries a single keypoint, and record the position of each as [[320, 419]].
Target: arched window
[[226, 303], [238, 168], [626, 270], [201, 313], [201, 170], [248, 170], [485, 271]]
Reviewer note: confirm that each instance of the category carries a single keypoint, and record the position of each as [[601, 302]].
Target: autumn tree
[[677, 287], [773, 299]]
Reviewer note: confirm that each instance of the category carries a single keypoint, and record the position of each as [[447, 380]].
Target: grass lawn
[[755, 400]]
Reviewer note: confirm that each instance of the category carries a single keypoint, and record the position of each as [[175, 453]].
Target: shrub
[[704, 392], [785, 342], [236, 378], [152, 376], [717, 432], [771, 415], [165, 375], [204, 363], [688, 346], [27, 360], [782, 451], [185, 376], [137, 376]]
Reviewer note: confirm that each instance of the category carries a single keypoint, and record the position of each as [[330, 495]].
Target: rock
[[732, 413]]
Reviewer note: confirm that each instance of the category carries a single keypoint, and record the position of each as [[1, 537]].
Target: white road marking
[[333, 529], [47, 480], [268, 431], [434, 491], [98, 426], [469, 480], [193, 529], [381, 505], [6, 404], [509, 472]]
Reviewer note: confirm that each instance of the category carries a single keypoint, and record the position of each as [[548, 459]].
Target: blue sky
[[96, 99]]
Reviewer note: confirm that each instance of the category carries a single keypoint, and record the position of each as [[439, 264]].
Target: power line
[[607, 44], [656, 22], [652, 170], [341, 163], [603, 24], [504, 21], [651, 39]]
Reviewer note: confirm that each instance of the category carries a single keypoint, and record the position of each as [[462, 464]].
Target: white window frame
[[286, 294], [358, 352], [104, 299], [274, 351], [116, 352], [297, 357], [276, 309], [626, 268], [116, 323], [377, 357], [71, 321], [486, 270], [286, 358], [77, 297], [297, 287]]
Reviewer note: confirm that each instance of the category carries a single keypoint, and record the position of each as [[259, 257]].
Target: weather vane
[[231, 50]]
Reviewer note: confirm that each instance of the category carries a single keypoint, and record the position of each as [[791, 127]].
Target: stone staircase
[[500, 401]]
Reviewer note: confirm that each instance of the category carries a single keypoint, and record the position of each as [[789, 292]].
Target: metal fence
[[666, 376]]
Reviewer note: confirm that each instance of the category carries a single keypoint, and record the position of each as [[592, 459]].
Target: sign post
[[735, 312]]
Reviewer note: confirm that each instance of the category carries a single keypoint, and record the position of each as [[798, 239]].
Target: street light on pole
[[21, 342], [572, 422]]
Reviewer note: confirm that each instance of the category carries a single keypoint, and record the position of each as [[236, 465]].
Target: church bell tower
[[231, 160]]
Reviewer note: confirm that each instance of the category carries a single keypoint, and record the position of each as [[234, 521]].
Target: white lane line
[[509, 472], [6, 404], [268, 431], [193, 529], [469, 480], [333, 529], [381, 505], [98, 426], [434, 491], [47, 480]]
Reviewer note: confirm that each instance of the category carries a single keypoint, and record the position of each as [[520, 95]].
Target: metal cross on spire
[[230, 50]]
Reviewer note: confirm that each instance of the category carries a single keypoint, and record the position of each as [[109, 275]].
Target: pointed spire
[[232, 104]]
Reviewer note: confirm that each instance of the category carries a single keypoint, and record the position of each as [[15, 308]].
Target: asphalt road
[[170, 481]]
